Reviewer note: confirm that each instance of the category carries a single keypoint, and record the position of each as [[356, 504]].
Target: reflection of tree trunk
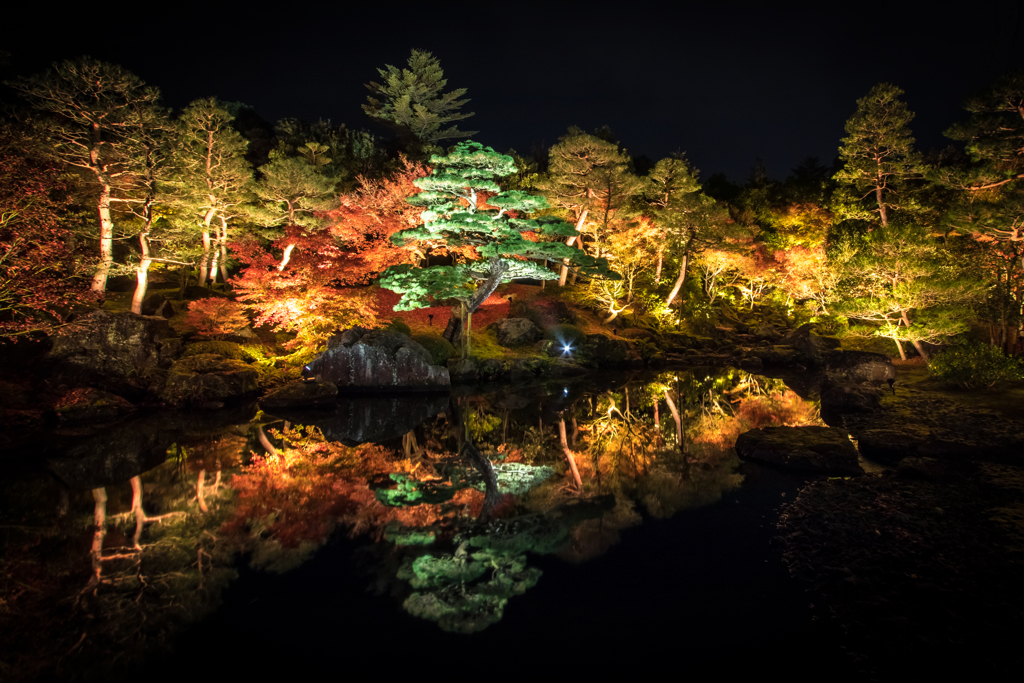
[[265, 442], [216, 481], [657, 419], [100, 531], [141, 518], [676, 417], [575, 432], [409, 444], [568, 455], [200, 494]]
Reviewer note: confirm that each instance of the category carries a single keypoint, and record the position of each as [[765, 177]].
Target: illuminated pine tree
[[465, 209]]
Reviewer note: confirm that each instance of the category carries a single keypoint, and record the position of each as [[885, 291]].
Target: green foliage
[[516, 479], [411, 492], [439, 348], [975, 365], [831, 325], [221, 348], [399, 325], [413, 102], [454, 216], [566, 334]]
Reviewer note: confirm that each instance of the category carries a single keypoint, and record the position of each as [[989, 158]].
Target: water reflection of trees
[[455, 507]]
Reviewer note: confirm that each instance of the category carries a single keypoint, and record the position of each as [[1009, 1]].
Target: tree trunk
[[661, 262], [142, 273], [568, 455], [200, 490], [569, 242], [679, 282], [224, 252], [99, 280], [917, 344], [882, 213], [899, 345], [496, 270], [204, 264]]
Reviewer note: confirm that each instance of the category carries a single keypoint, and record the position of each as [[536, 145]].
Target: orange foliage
[[215, 317]]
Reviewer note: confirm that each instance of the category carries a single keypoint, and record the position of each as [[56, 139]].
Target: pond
[[603, 522]]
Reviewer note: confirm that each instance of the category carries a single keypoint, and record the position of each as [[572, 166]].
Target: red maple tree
[[44, 271]]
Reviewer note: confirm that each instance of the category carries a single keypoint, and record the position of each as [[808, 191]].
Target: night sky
[[726, 84]]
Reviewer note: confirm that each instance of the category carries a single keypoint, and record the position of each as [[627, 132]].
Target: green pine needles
[[465, 207]]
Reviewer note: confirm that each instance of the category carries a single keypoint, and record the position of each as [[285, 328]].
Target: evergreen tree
[[94, 117], [688, 220], [898, 278], [292, 189], [465, 209], [588, 178], [412, 101], [878, 154], [212, 181]]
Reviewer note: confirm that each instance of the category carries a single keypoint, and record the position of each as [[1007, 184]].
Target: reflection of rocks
[[91, 405], [858, 366], [371, 418], [300, 395], [206, 378], [813, 347], [849, 399], [112, 456], [821, 450], [381, 359]]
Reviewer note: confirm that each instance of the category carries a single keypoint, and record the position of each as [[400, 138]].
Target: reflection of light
[[565, 392], [567, 349]]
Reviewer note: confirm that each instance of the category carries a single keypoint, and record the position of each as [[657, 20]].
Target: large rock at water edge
[[813, 347], [379, 360], [515, 331], [118, 345], [819, 450]]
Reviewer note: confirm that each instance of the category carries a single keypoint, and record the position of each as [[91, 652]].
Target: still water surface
[[599, 524]]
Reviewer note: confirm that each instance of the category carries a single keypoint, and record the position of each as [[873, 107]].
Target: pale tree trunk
[[899, 345], [99, 280], [569, 242], [882, 212], [679, 281], [142, 272], [204, 264], [568, 455], [661, 262], [224, 251]]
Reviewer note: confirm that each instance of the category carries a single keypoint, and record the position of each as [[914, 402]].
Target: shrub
[[831, 325], [221, 348], [975, 365], [397, 325], [440, 349], [215, 317], [566, 335]]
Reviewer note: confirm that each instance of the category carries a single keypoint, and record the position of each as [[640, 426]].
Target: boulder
[[207, 378], [751, 364], [849, 398], [604, 350], [780, 356], [515, 331], [765, 330], [818, 450], [462, 370], [157, 304], [303, 394], [858, 366], [563, 367], [378, 360], [889, 446], [813, 347], [106, 346], [91, 405]]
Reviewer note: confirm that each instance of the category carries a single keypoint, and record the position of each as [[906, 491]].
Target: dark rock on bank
[[371, 418], [116, 350], [208, 379], [858, 366], [91, 405], [849, 398], [378, 360], [515, 331], [818, 450]]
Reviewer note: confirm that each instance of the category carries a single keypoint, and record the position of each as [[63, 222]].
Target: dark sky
[[726, 84]]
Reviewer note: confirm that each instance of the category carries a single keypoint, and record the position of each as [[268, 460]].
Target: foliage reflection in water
[[453, 507]]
